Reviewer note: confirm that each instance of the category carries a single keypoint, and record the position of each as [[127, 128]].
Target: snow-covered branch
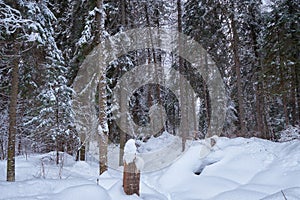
[[10, 19]]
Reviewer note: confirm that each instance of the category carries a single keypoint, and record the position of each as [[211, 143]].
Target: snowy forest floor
[[235, 169]]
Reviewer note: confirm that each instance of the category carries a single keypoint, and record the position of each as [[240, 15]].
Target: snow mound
[[89, 192], [156, 143], [233, 169]]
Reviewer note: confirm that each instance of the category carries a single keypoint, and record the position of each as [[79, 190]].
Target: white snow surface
[[130, 151], [235, 169], [130, 146]]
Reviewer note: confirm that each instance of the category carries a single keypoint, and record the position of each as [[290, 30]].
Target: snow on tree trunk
[[132, 167]]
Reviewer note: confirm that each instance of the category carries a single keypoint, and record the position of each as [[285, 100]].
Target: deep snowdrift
[[234, 169]]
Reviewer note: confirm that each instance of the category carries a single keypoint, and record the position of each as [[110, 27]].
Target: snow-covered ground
[[235, 169]]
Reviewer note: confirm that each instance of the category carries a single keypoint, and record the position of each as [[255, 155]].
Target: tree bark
[[12, 121], [2, 153], [297, 84], [295, 95], [237, 65], [103, 133], [121, 133], [293, 99], [284, 96], [82, 152], [206, 97], [184, 122], [154, 93], [131, 179], [259, 96]]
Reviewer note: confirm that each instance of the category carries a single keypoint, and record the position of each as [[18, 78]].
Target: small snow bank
[[117, 193], [291, 133], [156, 143], [159, 152], [234, 169], [88, 192]]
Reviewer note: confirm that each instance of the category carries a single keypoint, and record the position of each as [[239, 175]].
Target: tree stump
[[131, 179]]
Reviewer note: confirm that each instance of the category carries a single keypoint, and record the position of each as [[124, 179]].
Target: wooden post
[[131, 178]]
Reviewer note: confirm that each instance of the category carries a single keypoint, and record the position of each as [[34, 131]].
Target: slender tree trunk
[[297, 85], [206, 97], [237, 64], [2, 153], [12, 121], [150, 95], [103, 143], [259, 103], [57, 155], [57, 137], [122, 134], [259, 119], [284, 96], [103, 132], [19, 145], [184, 121], [295, 95], [82, 152], [122, 145], [156, 61], [123, 13], [285, 110], [293, 98]]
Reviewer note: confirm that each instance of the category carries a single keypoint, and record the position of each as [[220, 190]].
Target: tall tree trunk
[[150, 53], [237, 65], [82, 151], [19, 145], [103, 127], [12, 121], [183, 120], [2, 153], [293, 98], [156, 61], [284, 95], [103, 132], [57, 137], [259, 103], [122, 134], [297, 85], [206, 97], [295, 95]]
